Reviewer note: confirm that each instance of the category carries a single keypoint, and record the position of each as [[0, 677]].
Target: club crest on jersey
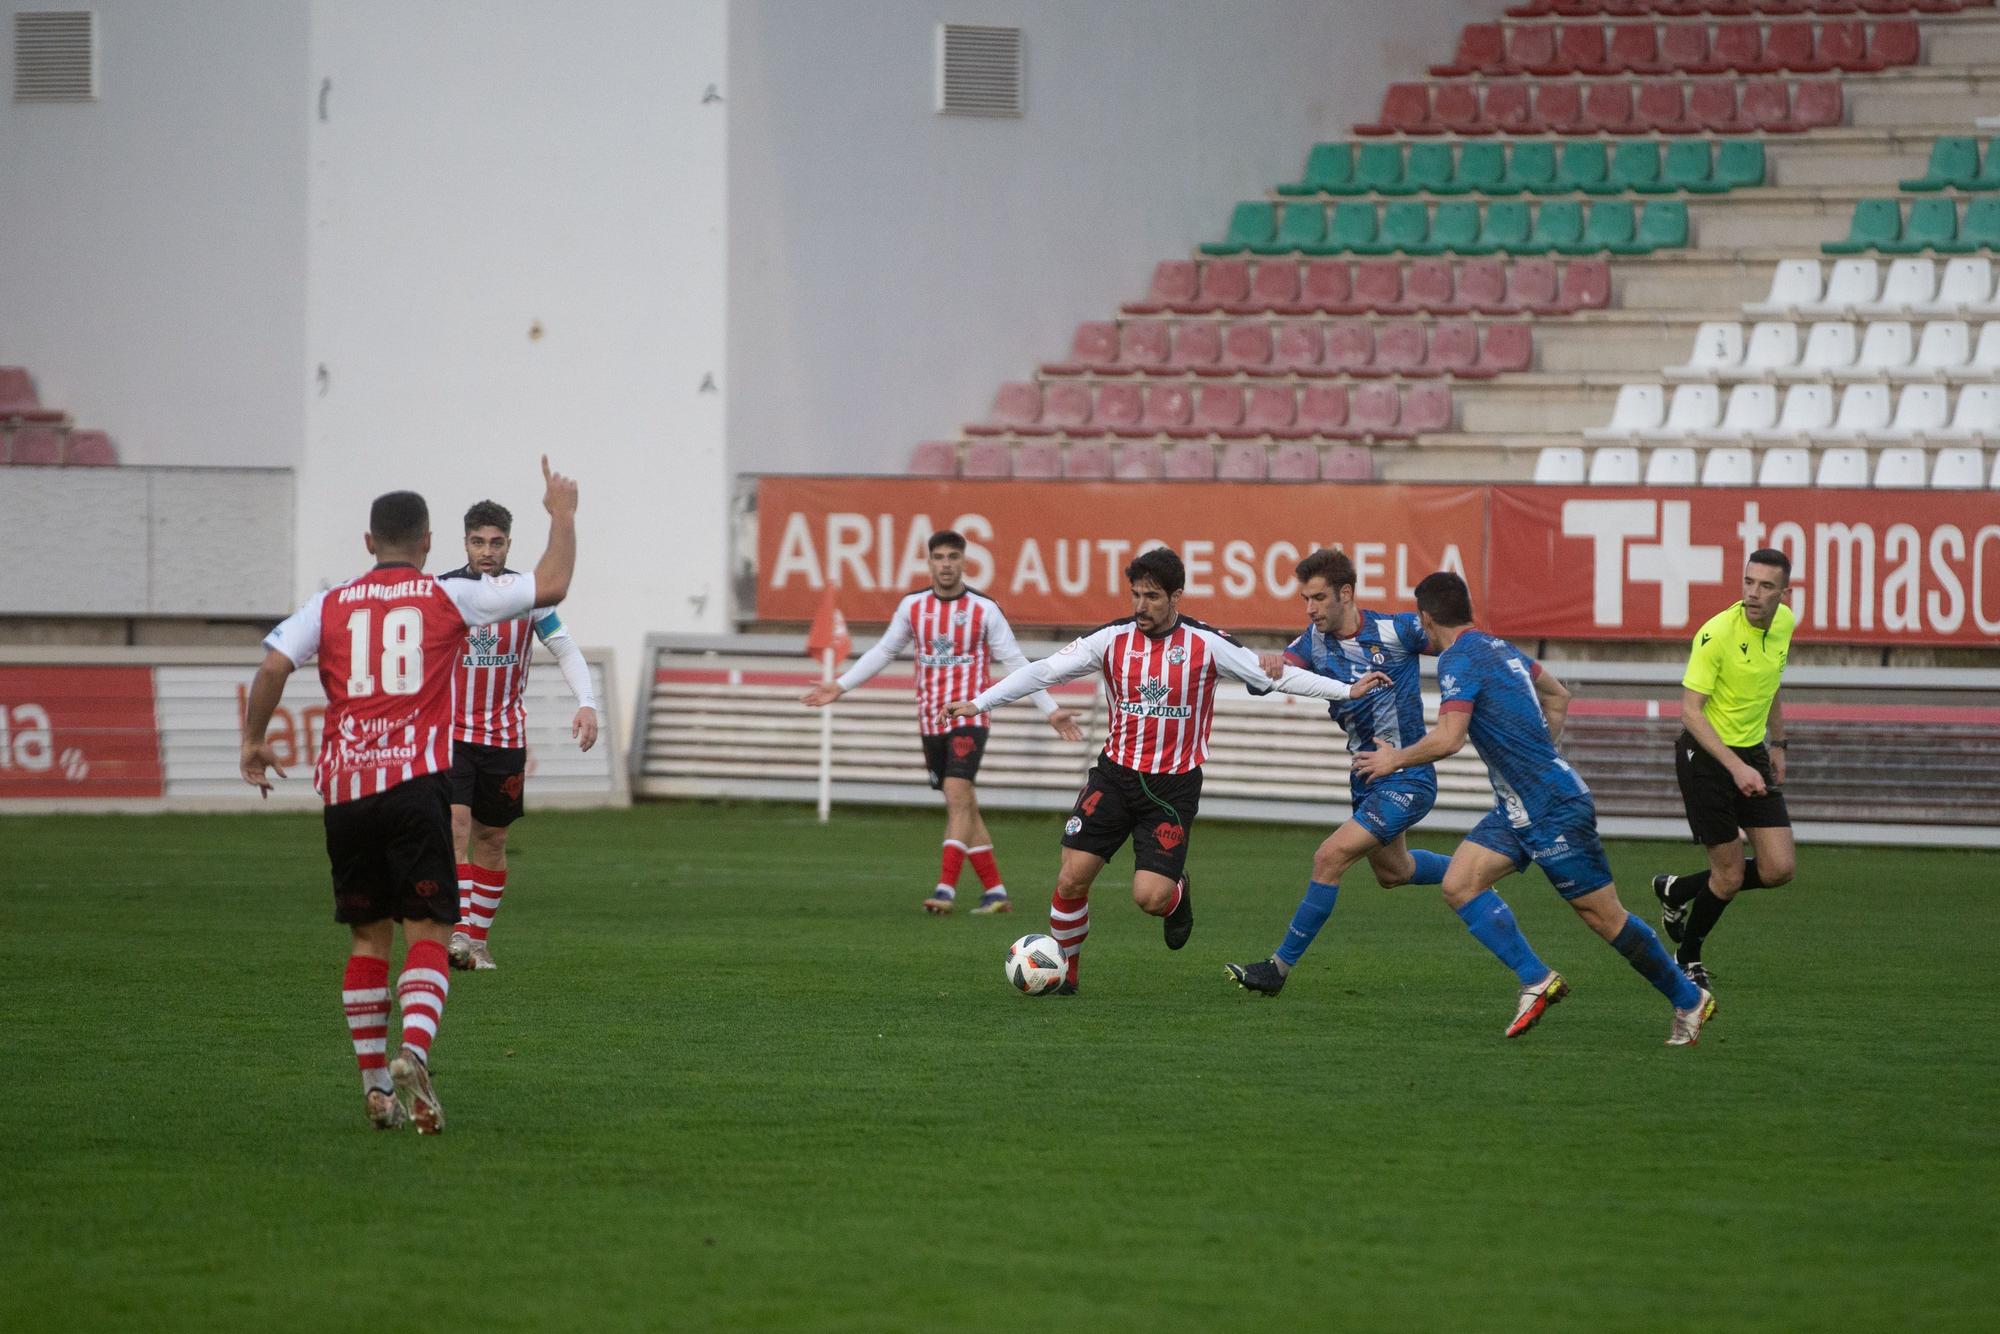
[[1177, 654], [961, 617], [1378, 657]]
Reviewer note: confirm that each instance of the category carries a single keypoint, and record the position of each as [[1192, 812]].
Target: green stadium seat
[[1989, 172], [1954, 161], [1531, 169], [1405, 228], [1633, 166], [1300, 226], [1583, 163], [1875, 221], [1428, 167], [1558, 223], [1481, 170], [1612, 223], [1739, 163], [1377, 167], [1353, 227], [1686, 167], [1328, 168], [1979, 231], [1453, 228], [1932, 224], [1253, 223], [1663, 225], [1504, 229]]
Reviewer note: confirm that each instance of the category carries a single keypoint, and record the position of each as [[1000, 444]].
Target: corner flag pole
[[826, 741]]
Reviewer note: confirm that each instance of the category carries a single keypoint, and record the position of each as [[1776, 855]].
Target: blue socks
[[1492, 924], [1643, 950], [1430, 867], [1312, 913]]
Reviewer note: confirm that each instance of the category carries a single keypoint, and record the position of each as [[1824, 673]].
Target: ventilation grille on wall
[[55, 56], [979, 70]]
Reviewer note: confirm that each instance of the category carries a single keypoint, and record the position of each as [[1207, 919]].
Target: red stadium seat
[[1273, 286], [1378, 284], [935, 458], [1038, 459], [1242, 462], [1017, 408], [1482, 287], [1635, 49], [1507, 109], [89, 449], [1406, 109], [1454, 348], [1482, 49], [1246, 346], [1197, 347], [1087, 461], [1400, 349], [1093, 348], [1167, 407], [1712, 107], [1662, 109], [1326, 286], [1684, 49], [1350, 348], [1789, 47], [1456, 108], [1174, 284], [1347, 463], [1608, 107], [1141, 461], [1426, 409], [19, 402], [1427, 285], [987, 458], [1119, 405], [1817, 104], [1532, 50], [1295, 461], [1507, 348], [1296, 348], [37, 445], [1145, 345], [1580, 50], [1892, 44], [1559, 109], [1191, 461], [1217, 408], [1739, 47], [1323, 409], [1224, 282], [1066, 406], [1273, 410], [1767, 106], [1374, 410], [1531, 285], [1586, 285]]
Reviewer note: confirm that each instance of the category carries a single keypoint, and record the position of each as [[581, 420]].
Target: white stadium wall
[[890, 266]]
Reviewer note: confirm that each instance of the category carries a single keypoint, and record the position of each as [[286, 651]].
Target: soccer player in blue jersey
[[1512, 709], [1345, 642]]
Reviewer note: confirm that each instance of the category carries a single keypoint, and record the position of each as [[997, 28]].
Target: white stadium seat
[[1985, 363], [1795, 285], [1727, 467], [1994, 480], [1864, 410], [1965, 289], [1671, 465], [1921, 410], [1843, 467], [1639, 408], [1910, 284], [1808, 408], [1695, 408], [1887, 345], [1977, 415], [1614, 465], [1752, 408], [1830, 351], [1718, 349], [1854, 283], [1899, 468], [1559, 465], [1944, 348], [1958, 469], [1785, 467], [1772, 349]]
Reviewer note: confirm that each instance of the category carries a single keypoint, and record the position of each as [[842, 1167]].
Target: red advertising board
[[78, 732], [1054, 553], [1868, 567]]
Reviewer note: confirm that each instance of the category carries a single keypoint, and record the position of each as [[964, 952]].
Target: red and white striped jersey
[[493, 673], [388, 646], [954, 638], [1161, 688]]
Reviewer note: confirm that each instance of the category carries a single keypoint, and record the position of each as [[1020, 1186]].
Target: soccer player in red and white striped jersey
[[490, 758], [956, 631], [1161, 671], [387, 645]]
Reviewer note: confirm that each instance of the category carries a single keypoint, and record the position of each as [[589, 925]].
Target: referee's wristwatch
[[1781, 745]]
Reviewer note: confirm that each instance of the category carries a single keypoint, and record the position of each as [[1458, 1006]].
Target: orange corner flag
[[829, 627]]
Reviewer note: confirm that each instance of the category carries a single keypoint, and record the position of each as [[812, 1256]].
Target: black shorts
[[955, 754], [1156, 811], [1716, 810], [391, 854], [489, 779]]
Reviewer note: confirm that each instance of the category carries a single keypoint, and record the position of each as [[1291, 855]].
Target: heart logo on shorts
[[961, 746], [1170, 836], [512, 787]]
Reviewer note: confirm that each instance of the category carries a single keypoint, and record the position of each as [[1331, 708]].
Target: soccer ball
[[1035, 964]]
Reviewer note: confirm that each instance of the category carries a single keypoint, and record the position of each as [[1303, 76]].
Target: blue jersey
[[1493, 681], [1393, 717]]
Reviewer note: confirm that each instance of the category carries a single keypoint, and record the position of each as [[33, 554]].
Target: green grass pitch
[[730, 1077]]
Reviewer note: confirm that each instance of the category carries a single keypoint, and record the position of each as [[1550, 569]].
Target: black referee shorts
[[1716, 810], [1155, 811]]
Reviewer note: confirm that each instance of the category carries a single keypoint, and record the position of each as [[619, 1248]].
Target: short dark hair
[[489, 514], [1772, 556], [1162, 565], [1330, 565], [945, 537], [1445, 599], [399, 518]]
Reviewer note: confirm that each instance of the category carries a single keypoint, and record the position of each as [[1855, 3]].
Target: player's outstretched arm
[[266, 687], [1241, 664], [879, 655], [1441, 742], [558, 564], [1078, 658]]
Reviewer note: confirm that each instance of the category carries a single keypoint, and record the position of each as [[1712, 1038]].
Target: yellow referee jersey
[[1737, 666]]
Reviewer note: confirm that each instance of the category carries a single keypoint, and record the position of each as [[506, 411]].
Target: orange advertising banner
[[78, 732], [1054, 553]]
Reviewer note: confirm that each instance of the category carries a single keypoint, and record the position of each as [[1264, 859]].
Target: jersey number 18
[[402, 652]]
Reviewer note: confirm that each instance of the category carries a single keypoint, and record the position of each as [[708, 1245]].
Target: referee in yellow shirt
[[1730, 758]]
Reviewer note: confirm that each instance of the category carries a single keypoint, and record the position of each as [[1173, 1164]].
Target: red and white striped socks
[[421, 991], [983, 864], [1069, 924], [464, 893], [482, 901], [364, 993]]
